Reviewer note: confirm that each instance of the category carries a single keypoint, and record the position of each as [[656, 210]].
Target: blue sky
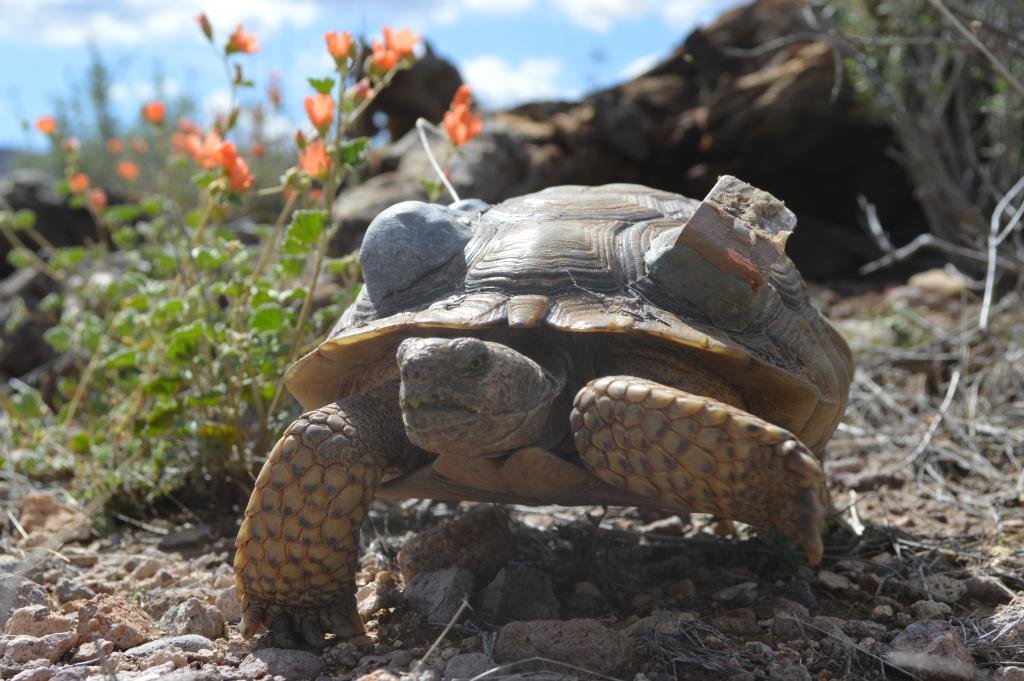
[[509, 51]]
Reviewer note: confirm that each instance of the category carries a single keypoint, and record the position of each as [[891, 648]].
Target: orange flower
[[320, 108], [187, 144], [362, 90], [315, 194], [128, 170], [314, 160], [204, 25], [154, 112], [257, 149], [239, 177], [401, 42], [78, 182], [338, 44], [98, 199], [241, 41], [115, 146], [460, 122], [383, 58], [139, 145], [46, 124], [189, 128]]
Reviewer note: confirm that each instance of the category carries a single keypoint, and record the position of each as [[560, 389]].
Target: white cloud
[[498, 6], [639, 65], [601, 15], [687, 15], [216, 102], [143, 90], [68, 23], [499, 83]]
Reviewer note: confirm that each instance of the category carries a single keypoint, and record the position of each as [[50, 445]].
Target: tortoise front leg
[[690, 452], [298, 544]]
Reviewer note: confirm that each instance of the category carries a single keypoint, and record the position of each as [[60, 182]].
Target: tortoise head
[[469, 396]]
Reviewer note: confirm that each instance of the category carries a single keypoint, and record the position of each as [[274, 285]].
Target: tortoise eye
[[477, 363]]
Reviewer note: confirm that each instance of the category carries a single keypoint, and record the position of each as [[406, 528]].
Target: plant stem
[[422, 125]]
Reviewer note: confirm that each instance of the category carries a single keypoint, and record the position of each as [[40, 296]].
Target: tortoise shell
[[572, 259]]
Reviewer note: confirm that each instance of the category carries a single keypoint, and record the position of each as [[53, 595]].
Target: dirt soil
[[922, 564]]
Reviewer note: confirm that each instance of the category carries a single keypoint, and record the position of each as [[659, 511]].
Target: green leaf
[[24, 219], [28, 404], [305, 228], [67, 258], [350, 153], [182, 341], [322, 85], [123, 213], [209, 258], [59, 337], [266, 318], [20, 258], [123, 359]]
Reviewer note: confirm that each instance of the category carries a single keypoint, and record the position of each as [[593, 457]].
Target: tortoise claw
[[312, 632]]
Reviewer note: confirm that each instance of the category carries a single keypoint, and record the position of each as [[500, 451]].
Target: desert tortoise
[[580, 345]]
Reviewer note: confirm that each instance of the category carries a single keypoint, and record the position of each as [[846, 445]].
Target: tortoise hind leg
[[690, 452], [297, 547]]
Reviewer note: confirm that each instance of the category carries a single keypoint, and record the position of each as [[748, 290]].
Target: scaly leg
[[297, 548], [690, 452]]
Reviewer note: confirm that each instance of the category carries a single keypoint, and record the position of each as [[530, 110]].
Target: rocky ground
[[919, 579]]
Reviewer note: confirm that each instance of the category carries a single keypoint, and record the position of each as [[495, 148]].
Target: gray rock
[[437, 595], [940, 588], [786, 627], [115, 620], [194, 616], [71, 589], [519, 593], [467, 666], [833, 581], [291, 664], [18, 592], [470, 206], [22, 649], [37, 674], [930, 610], [738, 594], [407, 241], [229, 604], [584, 643], [36, 620], [187, 642], [931, 650], [987, 589], [376, 596], [1008, 674], [790, 670]]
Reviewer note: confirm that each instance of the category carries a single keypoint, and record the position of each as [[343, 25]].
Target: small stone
[[931, 650], [786, 627], [399, 659], [37, 674], [111, 618], [380, 675], [376, 596], [36, 620], [18, 592], [229, 604], [467, 666], [146, 569], [742, 622], [788, 670], [584, 643], [480, 542], [92, 650], [800, 592], [941, 588], [188, 642], [71, 589], [291, 664], [883, 612], [22, 649], [43, 517], [930, 610], [988, 590], [519, 593], [683, 589], [80, 556], [739, 594], [759, 648], [438, 595], [1004, 674], [834, 581], [194, 616]]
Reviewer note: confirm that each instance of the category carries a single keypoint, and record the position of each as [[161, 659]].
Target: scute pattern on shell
[[583, 249]]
